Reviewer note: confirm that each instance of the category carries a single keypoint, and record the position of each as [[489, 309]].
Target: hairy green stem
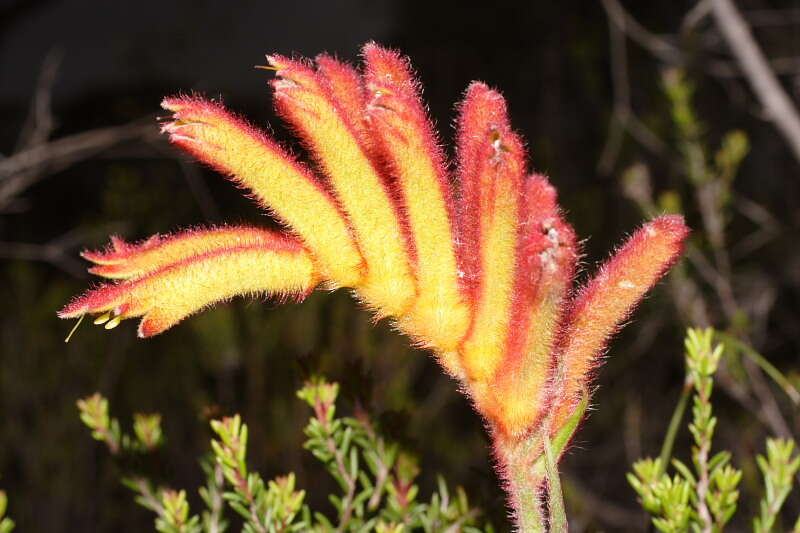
[[524, 464], [524, 472], [558, 516], [527, 496]]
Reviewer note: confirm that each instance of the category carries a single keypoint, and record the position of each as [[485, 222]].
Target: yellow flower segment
[[498, 178], [167, 296], [304, 102], [124, 261], [213, 135], [439, 317], [519, 395]]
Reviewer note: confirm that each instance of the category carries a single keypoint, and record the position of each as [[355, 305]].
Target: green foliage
[[146, 427], [690, 131], [376, 477], [778, 469], [704, 497], [703, 494], [6, 524], [264, 508]]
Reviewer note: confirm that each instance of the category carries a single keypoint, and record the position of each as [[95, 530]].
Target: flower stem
[[526, 489], [674, 425], [522, 462]]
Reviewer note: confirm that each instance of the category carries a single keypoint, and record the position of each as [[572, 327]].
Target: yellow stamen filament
[[74, 328]]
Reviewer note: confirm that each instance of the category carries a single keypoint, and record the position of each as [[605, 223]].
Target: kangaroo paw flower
[[479, 269], [329, 127], [169, 293]]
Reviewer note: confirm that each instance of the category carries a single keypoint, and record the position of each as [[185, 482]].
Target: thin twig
[[776, 375], [655, 44], [664, 50], [17, 171], [623, 119], [40, 121], [621, 109], [776, 102], [695, 15], [674, 426], [55, 252]]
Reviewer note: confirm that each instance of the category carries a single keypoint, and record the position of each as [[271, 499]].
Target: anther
[[114, 322], [102, 319]]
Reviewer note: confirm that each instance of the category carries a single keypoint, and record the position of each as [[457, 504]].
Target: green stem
[[526, 488], [530, 518], [674, 426], [525, 466], [558, 517]]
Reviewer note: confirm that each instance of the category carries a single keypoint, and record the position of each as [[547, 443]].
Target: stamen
[[75, 327], [102, 319], [383, 91], [114, 322]]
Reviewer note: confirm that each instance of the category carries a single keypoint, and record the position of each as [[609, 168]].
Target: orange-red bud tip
[[608, 299]]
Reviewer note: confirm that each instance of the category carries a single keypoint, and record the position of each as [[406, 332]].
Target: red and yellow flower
[[481, 273]]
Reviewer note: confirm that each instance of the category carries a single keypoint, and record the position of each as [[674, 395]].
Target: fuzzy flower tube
[[481, 274]]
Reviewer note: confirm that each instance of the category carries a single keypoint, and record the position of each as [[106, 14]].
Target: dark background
[[110, 63]]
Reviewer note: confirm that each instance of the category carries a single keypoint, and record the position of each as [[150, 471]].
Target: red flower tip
[[118, 250], [291, 73], [388, 71]]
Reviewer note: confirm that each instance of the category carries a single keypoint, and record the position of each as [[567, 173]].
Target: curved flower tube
[[481, 274], [167, 279]]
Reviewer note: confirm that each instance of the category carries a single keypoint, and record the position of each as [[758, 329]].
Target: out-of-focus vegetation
[[376, 478], [705, 495], [709, 152]]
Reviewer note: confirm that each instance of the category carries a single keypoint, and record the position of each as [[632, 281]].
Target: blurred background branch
[[779, 107]]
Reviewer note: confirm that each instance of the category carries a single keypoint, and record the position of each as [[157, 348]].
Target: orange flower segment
[[478, 266], [492, 198], [520, 393], [598, 310]]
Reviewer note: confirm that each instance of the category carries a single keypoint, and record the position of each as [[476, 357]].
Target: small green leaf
[[558, 517]]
